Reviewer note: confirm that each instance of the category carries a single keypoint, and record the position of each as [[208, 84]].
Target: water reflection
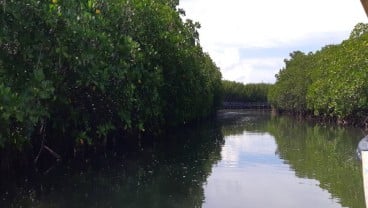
[[153, 174], [249, 149], [278, 162], [324, 153], [243, 159]]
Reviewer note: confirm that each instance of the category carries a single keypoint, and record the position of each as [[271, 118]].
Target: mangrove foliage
[[82, 69], [331, 82], [239, 92]]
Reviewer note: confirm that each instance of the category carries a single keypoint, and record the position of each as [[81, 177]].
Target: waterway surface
[[240, 159]]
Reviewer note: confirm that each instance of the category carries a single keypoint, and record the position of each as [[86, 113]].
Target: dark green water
[[241, 159]]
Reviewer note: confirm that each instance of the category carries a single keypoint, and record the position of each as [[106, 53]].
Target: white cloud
[[226, 56], [253, 70], [247, 143], [231, 25], [246, 70]]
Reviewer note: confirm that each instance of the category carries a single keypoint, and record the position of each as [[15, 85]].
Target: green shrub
[[86, 68]]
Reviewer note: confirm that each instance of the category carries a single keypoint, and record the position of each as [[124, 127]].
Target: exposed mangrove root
[[44, 146], [53, 153]]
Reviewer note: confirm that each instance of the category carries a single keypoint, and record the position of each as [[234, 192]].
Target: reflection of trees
[[237, 121], [171, 172], [323, 153], [326, 154], [168, 173]]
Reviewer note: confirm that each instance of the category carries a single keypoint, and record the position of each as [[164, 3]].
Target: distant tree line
[[239, 92], [331, 82], [82, 69]]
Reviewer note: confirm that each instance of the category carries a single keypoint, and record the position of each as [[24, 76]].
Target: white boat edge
[[364, 155]]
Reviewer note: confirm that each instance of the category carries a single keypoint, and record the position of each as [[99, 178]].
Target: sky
[[249, 39]]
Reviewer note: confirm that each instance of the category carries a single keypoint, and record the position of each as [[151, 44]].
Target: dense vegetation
[[239, 92], [331, 82], [81, 69]]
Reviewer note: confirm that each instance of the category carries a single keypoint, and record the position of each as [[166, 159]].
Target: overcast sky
[[249, 39]]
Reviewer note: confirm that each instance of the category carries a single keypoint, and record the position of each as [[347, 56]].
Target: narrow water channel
[[240, 159]]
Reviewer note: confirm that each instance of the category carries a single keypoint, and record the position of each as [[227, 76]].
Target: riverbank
[[60, 150], [354, 121], [246, 105]]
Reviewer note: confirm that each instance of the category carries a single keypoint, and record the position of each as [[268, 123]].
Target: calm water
[[241, 159]]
